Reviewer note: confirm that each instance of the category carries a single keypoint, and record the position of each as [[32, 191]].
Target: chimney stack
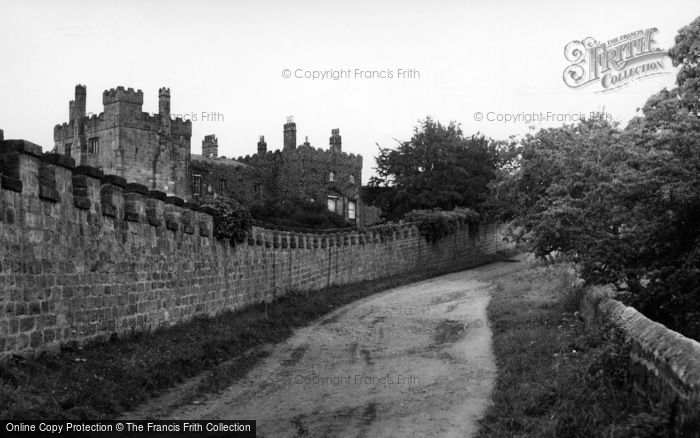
[[335, 140], [290, 134], [210, 146], [262, 146]]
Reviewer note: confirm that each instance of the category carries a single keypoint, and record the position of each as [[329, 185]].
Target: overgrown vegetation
[[436, 224], [104, 380], [556, 378], [232, 220], [438, 168], [298, 213], [623, 202]]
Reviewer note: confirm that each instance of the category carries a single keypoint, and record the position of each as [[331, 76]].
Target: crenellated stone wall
[[84, 256]]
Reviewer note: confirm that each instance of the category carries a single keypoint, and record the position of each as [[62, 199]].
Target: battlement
[[120, 94]]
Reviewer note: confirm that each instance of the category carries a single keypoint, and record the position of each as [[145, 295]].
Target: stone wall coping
[[665, 355]]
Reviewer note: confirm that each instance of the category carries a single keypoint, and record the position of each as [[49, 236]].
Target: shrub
[[436, 224], [232, 220]]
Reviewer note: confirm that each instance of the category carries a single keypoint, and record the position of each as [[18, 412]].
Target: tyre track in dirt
[[405, 362]]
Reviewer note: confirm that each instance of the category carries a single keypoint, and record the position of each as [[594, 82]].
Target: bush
[[436, 224], [298, 213], [232, 220]]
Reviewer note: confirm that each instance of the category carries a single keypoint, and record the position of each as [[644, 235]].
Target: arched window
[[331, 176]]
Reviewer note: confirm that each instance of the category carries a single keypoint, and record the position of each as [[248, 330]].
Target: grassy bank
[[555, 377], [101, 381]]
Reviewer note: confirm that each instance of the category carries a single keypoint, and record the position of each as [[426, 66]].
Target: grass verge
[[557, 378], [103, 380]]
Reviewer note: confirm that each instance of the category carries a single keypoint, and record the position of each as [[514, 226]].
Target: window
[[222, 187], [196, 185], [94, 146], [352, 179], [332, 203], [331, 176], [257, 188], [68, 148], [351, 210]]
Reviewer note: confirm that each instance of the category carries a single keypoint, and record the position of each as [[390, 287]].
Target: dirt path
[[412, 361]]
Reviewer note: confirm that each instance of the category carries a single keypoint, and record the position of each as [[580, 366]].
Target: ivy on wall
[[232, 220], [436, 224]]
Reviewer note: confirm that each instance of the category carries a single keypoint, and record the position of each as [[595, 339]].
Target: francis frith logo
[[614, 63]]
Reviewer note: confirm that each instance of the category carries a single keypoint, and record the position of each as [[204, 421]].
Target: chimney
[[306, 141], [290, 134], [210, 146], [2, 135], [262, 146], [335, 140]]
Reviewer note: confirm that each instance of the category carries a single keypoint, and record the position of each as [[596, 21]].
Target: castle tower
[[290, 134], [335, 140], [121, 104], [210, 146], [262, 146]]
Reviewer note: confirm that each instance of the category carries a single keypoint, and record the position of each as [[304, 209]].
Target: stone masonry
[[84, 255], [153, 150]]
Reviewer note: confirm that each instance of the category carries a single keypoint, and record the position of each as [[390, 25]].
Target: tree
[[437, 168], [624, 203]]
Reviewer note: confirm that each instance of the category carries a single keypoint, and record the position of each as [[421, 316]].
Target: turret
[[164, 109], [164, 102], [262, 146], [290, 134], [80, 104], [335, 140]]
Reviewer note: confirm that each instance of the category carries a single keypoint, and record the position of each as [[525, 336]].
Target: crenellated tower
[[150, 149]]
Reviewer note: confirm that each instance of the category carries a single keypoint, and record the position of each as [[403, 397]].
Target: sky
[[396, 62]]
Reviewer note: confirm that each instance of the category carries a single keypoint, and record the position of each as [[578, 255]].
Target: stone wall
[[665, 363], [84, 255]]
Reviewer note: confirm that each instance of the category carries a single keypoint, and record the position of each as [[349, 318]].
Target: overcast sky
[[228, 58]]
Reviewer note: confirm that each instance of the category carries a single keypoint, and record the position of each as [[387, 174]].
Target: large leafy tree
[[437, 168], [624, 203]]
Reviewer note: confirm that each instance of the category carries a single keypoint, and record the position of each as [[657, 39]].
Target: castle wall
[[85, 255]]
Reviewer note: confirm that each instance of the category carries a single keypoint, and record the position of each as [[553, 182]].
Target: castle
[[155, 150]]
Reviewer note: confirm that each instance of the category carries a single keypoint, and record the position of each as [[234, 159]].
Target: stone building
[[149, 149], [154, 150], [294, 172]]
